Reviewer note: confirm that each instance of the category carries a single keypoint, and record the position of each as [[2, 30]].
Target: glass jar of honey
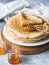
[[2, 49], [13, 57]]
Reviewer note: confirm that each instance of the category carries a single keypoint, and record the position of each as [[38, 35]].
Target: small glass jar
[[13, 57], [2, 49]]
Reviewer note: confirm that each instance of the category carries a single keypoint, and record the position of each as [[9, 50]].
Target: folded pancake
[[26, 27]]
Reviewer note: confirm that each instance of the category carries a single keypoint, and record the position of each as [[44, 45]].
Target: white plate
[[9, 38]]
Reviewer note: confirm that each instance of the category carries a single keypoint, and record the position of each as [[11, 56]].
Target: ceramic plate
[[40, 42]]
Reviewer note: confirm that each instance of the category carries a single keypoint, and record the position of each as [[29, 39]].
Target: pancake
[[26, 27]]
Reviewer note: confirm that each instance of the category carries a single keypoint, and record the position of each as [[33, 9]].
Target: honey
[[2, 51], [13, 58]]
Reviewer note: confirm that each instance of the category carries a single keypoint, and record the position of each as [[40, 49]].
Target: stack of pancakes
[[27, 27]]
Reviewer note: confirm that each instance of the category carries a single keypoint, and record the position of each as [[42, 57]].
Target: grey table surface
[[38, 59], [46, 2]]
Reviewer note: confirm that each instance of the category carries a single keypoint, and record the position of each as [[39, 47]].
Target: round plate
[[40, 42]]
